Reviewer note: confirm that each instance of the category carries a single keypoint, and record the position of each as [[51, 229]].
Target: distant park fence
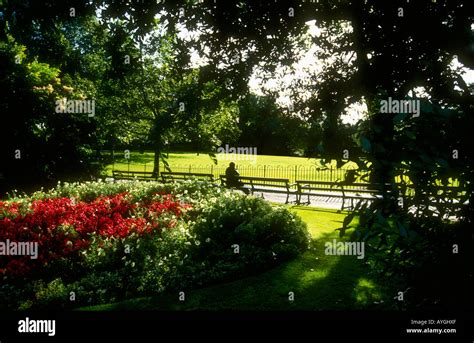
[[138, 162], [296, 172]]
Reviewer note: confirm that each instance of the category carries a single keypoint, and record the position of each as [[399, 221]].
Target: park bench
[[316, 188], [180, 176], [447, 199], [133, 175], [360, 191], [264, 185], [346, 191]]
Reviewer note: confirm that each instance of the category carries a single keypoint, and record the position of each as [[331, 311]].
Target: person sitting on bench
[[232, 178]]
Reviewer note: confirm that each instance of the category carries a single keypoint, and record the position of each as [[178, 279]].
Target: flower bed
[[62, 227], [101, 242]]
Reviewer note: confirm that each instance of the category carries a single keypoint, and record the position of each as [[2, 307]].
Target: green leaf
[[410, 134], [348, 219], [381, 218], [365, 144], [213, 157], [402, 229], [443, 163], [426, 107], [342, 231], [339, 163], [399, 117]]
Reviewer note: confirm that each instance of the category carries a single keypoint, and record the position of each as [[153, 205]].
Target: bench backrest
[[339, 186], [260, 181], [185, 176], [364, 187], [317, 185], [442, 193], [130, 174]]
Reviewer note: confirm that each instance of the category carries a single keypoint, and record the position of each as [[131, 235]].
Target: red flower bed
[[63, 226]]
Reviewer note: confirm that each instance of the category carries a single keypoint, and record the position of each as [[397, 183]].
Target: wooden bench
[[178, 176], [264, 185], [363, 191], [446, 199], [345, 191], [133, 175], [317, 188]]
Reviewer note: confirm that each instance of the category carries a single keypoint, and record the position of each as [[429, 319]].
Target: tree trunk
[[156, 167]]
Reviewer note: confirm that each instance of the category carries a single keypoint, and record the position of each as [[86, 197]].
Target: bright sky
[[308, 65]]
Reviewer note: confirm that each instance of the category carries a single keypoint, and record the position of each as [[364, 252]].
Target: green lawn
[[264, 165], [293, 168], [185, 158], [318, 281]]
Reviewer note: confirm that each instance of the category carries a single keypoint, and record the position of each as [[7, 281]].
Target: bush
[[429, 256], [107, 242], [236, 235]]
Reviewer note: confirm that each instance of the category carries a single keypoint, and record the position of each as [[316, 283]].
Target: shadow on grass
[[317, 209], [148, 158], [318, 282]]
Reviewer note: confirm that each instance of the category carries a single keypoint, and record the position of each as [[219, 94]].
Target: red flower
[[63, 226]]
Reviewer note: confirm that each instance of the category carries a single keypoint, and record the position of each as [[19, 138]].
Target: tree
[[36, 144], [372, 50], [157, 98], [272, 130]]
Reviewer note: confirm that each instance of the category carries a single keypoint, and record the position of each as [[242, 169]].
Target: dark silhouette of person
[[233, 178]]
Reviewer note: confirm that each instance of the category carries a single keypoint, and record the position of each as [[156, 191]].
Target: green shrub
[[236, 235], [222, 236]]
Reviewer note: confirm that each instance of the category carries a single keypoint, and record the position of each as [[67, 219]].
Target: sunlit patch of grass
[[276, 166], [367, 292], [318, 281]]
